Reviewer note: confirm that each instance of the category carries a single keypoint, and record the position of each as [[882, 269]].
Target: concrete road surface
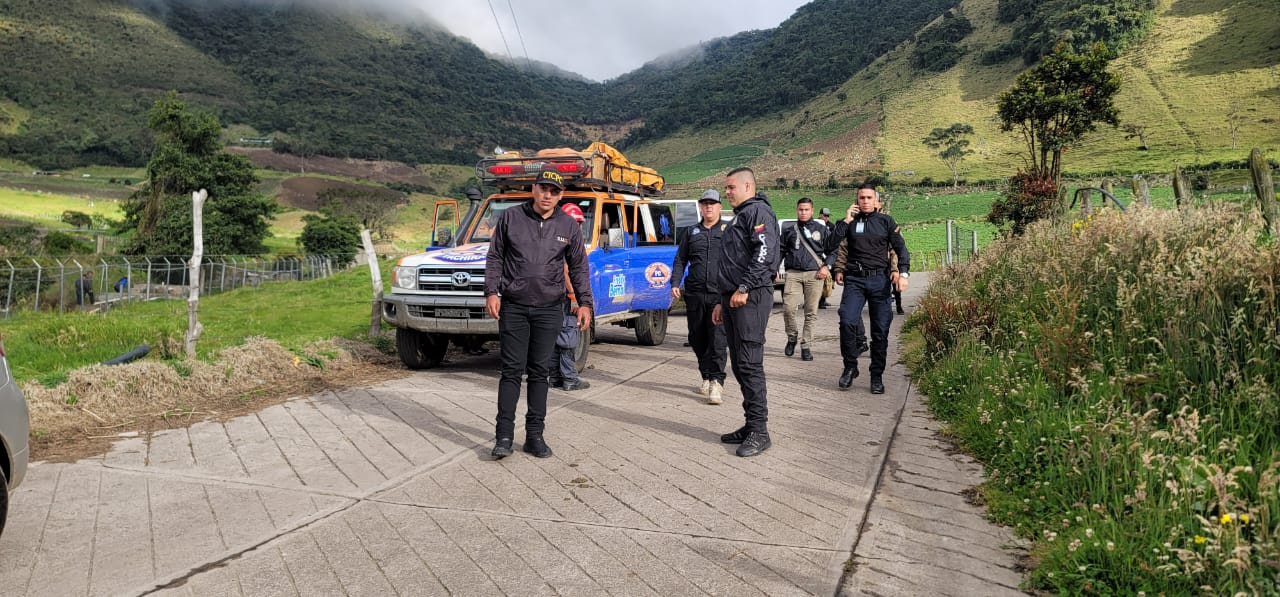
[[389, 490]]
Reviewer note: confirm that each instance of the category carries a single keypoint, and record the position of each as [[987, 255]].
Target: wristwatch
[[742, 288], [904, 275]]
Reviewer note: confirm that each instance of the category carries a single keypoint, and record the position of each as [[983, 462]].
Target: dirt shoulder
[[97, 405]]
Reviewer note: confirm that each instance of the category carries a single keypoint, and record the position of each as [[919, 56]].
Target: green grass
[[46, 347], [711, 162], [45, 209]]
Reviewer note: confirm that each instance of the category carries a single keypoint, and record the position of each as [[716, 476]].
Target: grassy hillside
[[1201, 58]]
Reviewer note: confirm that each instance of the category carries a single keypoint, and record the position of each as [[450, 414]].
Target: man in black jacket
[[749, 260], [869, 236], [524, 290], [700, 251], [804, 252]]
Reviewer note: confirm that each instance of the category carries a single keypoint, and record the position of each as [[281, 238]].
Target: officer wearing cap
[[870, 236], [699, 251], [525, 291]]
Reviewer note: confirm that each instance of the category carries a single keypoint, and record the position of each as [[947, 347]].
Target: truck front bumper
[[439, 314]]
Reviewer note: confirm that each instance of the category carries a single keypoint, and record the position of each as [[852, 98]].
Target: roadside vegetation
[[1118, 377]]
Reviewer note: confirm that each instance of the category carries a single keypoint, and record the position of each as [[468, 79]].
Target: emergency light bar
[[500, 169]]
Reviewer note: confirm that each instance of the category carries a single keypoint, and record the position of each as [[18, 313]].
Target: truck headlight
[[406, 277]]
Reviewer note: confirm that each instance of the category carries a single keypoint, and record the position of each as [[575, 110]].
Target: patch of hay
[[151, 394]]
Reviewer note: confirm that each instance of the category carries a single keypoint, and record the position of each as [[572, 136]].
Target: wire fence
[[59, 285]]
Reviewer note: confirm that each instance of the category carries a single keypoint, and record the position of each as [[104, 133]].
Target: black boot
[[736, 437], [846, 378], [805, 354], [877, 385], [534, 444], [822, 303], [790, 348], [756, 442], [501, 448]]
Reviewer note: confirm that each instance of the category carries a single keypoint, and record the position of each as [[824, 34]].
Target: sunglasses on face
[[546, 188]]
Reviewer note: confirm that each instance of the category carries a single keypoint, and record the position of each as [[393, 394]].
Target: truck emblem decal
[[658, 275], [461, 279], [618, 286]]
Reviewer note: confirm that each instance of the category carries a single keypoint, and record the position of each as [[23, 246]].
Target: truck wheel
[[584, 347], [420, 350], [651, 327]]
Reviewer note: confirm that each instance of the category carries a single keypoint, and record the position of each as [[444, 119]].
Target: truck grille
[[424, 312], [437, 279]]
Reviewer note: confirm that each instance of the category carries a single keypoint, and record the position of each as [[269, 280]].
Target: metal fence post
[[974, 234]]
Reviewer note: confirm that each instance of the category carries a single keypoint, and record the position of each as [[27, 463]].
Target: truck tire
[[4, 499], [420, 350], [651, 327], [584, 347]]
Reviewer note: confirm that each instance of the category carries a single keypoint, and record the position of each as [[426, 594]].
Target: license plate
[[452, 313]]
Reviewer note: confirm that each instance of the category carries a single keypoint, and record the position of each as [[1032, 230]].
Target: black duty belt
[[865, 273]]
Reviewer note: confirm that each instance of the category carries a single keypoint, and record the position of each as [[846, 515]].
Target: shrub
[[1029, 198]]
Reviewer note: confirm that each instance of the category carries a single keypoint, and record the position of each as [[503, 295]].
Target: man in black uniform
[[524, 290], [749, 260], [869, 236], [829, 284], [700, 251], [804, 252]]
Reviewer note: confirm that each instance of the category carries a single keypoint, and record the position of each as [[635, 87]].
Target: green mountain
[[1191, 71], [842, 88], [347, 84], [79, 74]]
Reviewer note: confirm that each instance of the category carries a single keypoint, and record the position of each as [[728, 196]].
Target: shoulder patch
[[759, 228]]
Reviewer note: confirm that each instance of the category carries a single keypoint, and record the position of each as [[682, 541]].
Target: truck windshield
[[492, 211], [494, 208]]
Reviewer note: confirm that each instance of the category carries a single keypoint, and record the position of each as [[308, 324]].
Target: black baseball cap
[[550, 177]]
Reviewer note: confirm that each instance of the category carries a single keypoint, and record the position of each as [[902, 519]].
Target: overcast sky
[[601, 39]]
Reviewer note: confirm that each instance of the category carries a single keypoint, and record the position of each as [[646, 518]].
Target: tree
[[831, 182], [1235, 118], [187, 158], [1055, 103], [1136, 130], [330, 234], [954, 146], [373, 209], [795, 183], [781, 182]]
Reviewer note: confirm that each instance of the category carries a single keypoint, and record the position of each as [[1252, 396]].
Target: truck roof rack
[[597, 168]]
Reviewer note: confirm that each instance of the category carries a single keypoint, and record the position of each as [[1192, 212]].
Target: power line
[[500, 33], [527, 62]]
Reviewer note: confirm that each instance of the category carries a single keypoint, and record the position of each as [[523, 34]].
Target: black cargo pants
[[707, 339], [745, 328]]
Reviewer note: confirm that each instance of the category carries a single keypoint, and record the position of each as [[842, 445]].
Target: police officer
[[525, 291], [749, 261], [700, 251], [869, 236], [828, 284], [804, 252]]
